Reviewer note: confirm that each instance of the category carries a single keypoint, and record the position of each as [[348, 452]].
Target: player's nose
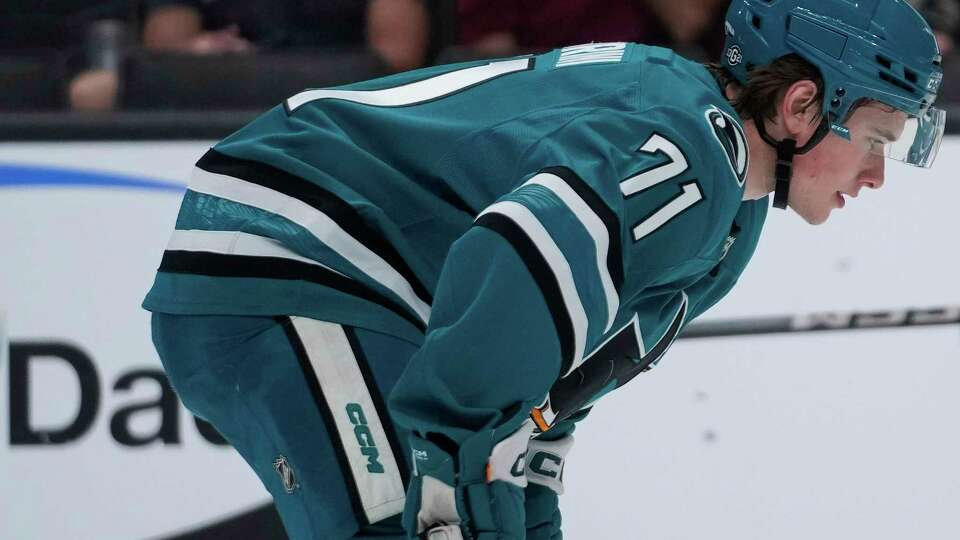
[[873, 176]]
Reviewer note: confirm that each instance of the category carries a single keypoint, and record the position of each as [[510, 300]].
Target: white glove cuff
[[545, 462]]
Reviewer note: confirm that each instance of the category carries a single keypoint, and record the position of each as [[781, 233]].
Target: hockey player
[[397, 297]]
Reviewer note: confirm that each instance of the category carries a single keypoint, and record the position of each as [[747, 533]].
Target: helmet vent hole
[[884, 76], [755, 21], [884, 61]]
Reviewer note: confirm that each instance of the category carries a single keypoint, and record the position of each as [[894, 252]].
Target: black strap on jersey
[[783, 171], [786, 149]]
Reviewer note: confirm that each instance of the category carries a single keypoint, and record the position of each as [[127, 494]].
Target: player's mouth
[[841, 201]]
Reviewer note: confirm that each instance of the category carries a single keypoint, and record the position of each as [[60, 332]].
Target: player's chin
[[814, 216]]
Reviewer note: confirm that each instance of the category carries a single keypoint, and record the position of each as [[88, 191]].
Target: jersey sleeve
[[537, 282], [670, 184], [489, 356], [492, 349], [521, 295]]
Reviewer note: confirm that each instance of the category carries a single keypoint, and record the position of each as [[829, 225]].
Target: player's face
[[837, 169]]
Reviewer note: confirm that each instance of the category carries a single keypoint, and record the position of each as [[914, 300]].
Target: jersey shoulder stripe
[[330, 219], [607, 216], [235, 243], [565, 309], [417, 92], [340, 211], [570, 241], [208, 263], [600, 223]]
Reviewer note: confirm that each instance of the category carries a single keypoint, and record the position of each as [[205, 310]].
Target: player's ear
[[799, 109]]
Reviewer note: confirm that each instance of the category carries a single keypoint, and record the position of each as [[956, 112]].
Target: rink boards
[[842, 435]]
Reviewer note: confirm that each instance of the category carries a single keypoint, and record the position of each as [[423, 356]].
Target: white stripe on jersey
[[416, 92], [597, 230], [341, 382], [528, 222], [321, 225], [235, 243]]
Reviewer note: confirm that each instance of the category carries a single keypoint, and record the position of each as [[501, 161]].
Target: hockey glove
[[545, 463], [475, 495]]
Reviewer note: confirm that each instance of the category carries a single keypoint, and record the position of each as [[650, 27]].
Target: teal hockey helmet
[[880, 50]]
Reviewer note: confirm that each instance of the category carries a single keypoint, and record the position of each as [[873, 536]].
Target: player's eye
[[876, 145]]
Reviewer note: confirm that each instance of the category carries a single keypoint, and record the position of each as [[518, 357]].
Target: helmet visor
[[920, 140], [914, 140]]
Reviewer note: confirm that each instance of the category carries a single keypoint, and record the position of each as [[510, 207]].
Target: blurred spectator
[[694, 28], [40, 43], [31, 25], [395, 30], [504, 27], [95, 88], [943, 16]]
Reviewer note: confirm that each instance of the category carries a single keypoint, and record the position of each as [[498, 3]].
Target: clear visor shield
[[914, 140], [920, 140]]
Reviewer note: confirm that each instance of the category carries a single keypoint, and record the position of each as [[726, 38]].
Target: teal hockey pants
[[303, 401]]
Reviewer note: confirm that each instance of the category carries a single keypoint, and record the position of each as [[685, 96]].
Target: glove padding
[[545, 462], [542, 508], [477, 502]]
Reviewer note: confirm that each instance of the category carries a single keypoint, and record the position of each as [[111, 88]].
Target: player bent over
[[398, 296]]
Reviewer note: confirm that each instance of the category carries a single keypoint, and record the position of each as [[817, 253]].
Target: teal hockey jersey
[[523, 220]]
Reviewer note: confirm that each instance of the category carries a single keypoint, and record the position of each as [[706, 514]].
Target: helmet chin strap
[[786, 149]]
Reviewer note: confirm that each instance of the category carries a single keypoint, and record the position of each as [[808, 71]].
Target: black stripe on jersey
[[606, 215], [243, 266], [379, 404], [542, 274], [653, 355], [341, 212], [310, 377]]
